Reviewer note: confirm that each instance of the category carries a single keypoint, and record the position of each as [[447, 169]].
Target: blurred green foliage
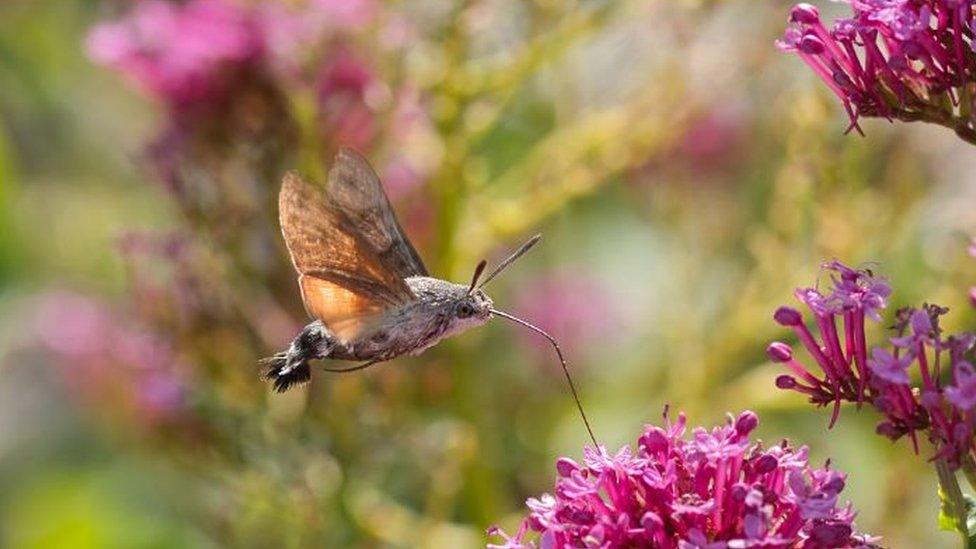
[[665, 149]]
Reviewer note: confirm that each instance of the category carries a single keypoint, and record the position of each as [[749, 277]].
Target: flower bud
[[811, 44], [746, 423], [788, 316], [785, 382], [779, 352], [921, 322], [805, 14]]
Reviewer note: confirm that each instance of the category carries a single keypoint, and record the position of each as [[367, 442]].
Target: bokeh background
[[686, 176]]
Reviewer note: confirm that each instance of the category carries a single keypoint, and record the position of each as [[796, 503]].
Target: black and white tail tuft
[[286, 370], [290, 367]]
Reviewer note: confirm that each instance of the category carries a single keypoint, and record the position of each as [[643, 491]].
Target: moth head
[[474, 306]]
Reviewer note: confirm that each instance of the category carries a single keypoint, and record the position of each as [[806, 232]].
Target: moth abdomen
[[290, 367]]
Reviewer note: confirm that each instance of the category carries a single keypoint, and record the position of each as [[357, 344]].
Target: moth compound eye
[[465, 310]]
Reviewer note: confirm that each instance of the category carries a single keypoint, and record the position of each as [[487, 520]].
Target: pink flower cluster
[[712, 489], [940, 405], [185, 53], [105, 358], [905, 59]]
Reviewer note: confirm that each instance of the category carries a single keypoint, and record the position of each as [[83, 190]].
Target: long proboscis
[[508, 261], [562, 361]]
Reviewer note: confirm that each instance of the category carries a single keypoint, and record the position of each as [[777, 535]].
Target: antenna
[[477, 274], [504, 264], [552, 340]]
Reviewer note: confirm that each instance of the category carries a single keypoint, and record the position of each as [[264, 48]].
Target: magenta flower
[[855, 295], [897, 59], [713, 489], [941, 409]]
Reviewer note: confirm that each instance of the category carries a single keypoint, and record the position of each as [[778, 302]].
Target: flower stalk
[[953, 502], [969, 470]]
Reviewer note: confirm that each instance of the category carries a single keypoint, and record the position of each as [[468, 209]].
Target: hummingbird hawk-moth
[[364, 284]]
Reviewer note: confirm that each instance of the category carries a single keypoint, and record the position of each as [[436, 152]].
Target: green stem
[[952, 498], [940, 117], [969, 469]]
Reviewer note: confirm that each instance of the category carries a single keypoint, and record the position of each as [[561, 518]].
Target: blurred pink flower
[[572, 306], [410, 129], [400, 178], [349, 13], [346, 114], [104, 357], [189, 53], [160, 396], [178, 52], [71, 325], [713, 139]]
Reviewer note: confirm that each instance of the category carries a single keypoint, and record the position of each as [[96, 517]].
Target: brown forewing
[[355, 189], [344, 282]]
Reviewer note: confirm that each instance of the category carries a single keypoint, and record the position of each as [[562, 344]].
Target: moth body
[[441, 309]]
